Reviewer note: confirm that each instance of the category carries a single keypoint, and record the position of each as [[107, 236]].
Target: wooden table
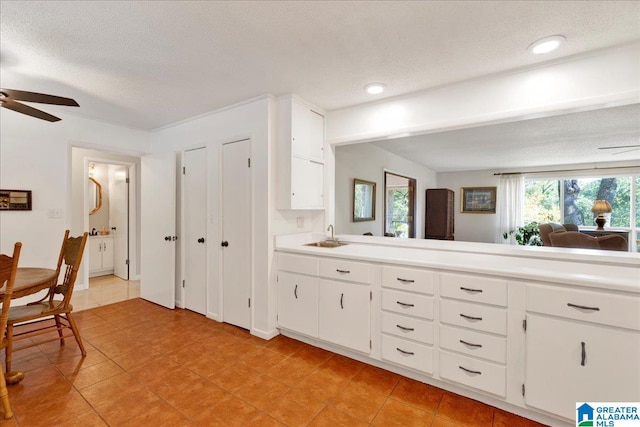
[[29, 280]]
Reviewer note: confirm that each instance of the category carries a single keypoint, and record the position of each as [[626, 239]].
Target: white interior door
[[236, 233], [195, 228], [157, 228], [119, 218]]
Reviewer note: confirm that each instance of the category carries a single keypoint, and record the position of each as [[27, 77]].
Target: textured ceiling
[[558, 140], [149, 64]]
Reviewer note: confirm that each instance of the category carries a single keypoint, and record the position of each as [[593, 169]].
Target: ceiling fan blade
[[613, 147], [42, 98], [625, 151], [30, 111]]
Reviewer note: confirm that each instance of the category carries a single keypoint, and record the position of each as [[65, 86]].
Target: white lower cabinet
[[100, 256], [298, 303], [569, 362], [344, 314]]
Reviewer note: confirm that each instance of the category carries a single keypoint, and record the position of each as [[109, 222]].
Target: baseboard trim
[[265, 335]]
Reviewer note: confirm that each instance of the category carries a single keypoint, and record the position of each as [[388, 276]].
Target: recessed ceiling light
[[375, 88], [546, 45]]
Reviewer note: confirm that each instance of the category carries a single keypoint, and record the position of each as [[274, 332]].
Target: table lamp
[[600, 207]]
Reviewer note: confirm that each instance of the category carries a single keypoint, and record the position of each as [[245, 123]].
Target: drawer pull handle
[[295, 291], [471, 344], [470, 289], [400, 279], [404, 304], [470, 371], [404, 328], [343, 271], [405, 352], [341, 298], [583, 307], [584, 354], [470, 317]]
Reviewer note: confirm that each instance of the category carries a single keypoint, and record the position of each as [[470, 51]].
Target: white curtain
[[510, 206]]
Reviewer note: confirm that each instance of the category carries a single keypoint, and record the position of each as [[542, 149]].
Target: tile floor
[[149, 366], [104, 290]]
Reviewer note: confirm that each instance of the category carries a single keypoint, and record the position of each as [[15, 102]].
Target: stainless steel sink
[[327, 244]]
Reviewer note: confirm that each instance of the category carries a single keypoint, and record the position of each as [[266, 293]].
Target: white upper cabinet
[[307, 132], [300, 155]]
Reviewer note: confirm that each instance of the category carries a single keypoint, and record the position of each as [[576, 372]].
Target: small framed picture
[[478, 200]]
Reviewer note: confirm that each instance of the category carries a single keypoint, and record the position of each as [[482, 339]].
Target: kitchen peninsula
[[528, 330]]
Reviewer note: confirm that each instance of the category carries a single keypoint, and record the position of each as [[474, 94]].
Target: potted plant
[[527, 235]]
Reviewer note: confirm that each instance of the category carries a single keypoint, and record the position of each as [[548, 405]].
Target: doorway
[[236, 233], [399, 205], [108, 199]]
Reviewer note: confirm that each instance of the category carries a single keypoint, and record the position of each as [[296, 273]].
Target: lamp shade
[[601, 206]]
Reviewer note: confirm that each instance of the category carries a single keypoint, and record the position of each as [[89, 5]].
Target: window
[[569, 200]]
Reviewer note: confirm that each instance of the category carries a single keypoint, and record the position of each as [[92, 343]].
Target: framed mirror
[[364, 200], [95, 195]]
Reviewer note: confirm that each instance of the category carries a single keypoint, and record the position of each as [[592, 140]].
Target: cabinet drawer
[[406, 303], [407, 353], [474, 316], [474, 373], [474, 343], [407, 327], [474, 288], [298, 264], [408, 279], [345, 270], [597, 307]]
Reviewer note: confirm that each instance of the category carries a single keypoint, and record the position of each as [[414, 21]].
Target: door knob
[[167, 238], [201, 240], [224, 244]]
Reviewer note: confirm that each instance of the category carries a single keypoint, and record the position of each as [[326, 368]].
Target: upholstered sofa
[[575, 239], [551, 227]]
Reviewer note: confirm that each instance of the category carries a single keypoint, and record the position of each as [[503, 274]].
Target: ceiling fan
[[621, 147], [9, 99]]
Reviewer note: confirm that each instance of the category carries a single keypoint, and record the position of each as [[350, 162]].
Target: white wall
[[471, 227], [36, 155], [369, 162]]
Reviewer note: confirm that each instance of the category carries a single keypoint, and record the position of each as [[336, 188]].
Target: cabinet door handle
[[405, 280], [341, 298], [583, 307], [295, 292], [343, 271], [470, 289], [201, 240], [471, 344], [99, 247], [470, 371], [470, 317], [404, 304], [404, 328], [410, 353], [104, 247], [584, 354]]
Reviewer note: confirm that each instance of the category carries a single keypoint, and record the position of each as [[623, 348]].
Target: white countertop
[[598, 269]]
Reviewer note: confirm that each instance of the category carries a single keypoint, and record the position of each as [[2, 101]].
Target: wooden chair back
[[70, 256], [8, 270]]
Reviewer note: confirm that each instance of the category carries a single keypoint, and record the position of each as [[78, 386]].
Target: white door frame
[[133, 261]]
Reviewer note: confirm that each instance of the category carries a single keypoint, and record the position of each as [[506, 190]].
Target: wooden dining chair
[[42, 311], [8, 267]]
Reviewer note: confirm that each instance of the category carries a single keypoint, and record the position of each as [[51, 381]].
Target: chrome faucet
[[330, 228]]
